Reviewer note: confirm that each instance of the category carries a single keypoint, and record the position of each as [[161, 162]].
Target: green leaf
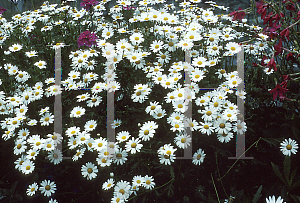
[[257, 195], [296, 184], [271, 141], [276, 171], [157, 193], [172, 172], [171, 190], [296, 198], [286, 169], [296, 132], [13, 187], [293, 174]]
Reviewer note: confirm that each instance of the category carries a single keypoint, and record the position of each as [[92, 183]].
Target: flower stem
[[32, 4]]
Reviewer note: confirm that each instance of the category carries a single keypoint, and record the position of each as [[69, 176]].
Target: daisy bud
[[111, 175]]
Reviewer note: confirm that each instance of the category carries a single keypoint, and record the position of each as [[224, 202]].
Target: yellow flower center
[[222, 125], [289, 147]]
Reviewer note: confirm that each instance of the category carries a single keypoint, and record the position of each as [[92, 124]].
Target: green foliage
[[257, 195]]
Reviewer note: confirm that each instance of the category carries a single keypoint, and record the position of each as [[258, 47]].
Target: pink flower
[[286, 78], [261, 8], [2, 10], [278, 48], [272, 64], [88, 3], [128, 7], [87, 38], [238, 15], [286, 33], [278, 90]]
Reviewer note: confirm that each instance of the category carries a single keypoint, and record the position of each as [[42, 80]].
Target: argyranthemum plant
[[139, 54]]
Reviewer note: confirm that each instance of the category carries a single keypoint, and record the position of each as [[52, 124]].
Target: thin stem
[[32, 4], [220, 176], [17, 7], [215, 187], [239, 158]]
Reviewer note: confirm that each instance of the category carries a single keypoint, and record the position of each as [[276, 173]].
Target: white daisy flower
[[90, 125], [77, 112], [182, 140], [133, 145], [89, 170], [198, 157], [123, 136], [273, 200], [15, 47], [225, 137], [32, 189], [108, 184], [289, 146], [55, 156], [47, 187], [27, 166], [149, 182]]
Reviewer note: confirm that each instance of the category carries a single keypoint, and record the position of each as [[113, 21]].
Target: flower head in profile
[[88, 3], [87, 38]]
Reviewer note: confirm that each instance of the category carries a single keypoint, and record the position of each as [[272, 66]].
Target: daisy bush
[[137, 52]]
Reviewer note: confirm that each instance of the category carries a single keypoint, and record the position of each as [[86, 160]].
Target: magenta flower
[[88, 3], [87, 38], [238, 15], [2, 10], [278, 90], [128, 7]]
